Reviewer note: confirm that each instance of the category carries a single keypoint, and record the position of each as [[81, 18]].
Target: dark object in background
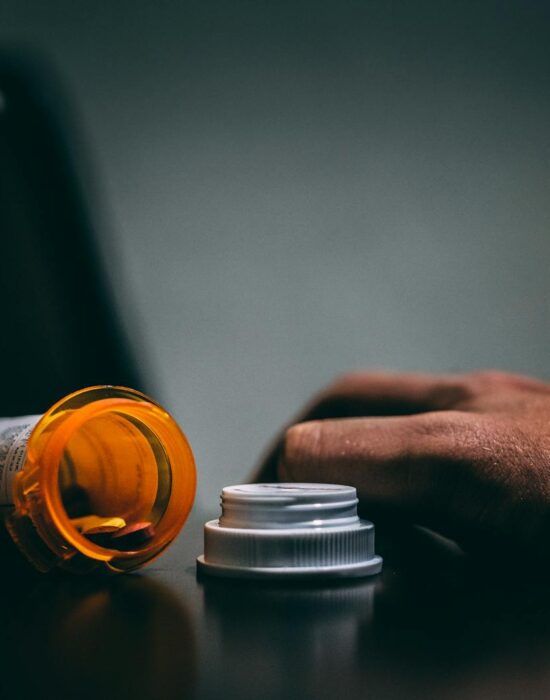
[[59, 330]]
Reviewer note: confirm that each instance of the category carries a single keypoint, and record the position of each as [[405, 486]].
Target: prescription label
[[14, 433]]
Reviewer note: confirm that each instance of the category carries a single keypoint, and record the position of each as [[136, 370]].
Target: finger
[[372, 394], [407, 463], [389, 394]]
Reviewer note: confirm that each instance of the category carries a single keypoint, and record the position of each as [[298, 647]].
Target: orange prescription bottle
[[105, 479]]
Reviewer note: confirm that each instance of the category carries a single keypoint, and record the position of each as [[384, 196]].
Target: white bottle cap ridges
[[289, 530]]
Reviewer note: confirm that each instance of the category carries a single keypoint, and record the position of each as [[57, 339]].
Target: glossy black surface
[[434, 624]]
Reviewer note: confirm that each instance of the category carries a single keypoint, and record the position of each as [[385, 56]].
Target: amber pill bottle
[[104, 480]]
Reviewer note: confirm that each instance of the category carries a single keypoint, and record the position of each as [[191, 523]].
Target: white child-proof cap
[[289, 530]]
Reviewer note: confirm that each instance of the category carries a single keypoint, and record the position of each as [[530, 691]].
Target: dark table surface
[[434, 624]]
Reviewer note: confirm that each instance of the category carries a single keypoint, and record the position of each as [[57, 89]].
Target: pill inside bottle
[[104, 480]]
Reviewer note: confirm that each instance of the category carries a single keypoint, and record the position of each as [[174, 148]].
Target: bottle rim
[[159, 421]]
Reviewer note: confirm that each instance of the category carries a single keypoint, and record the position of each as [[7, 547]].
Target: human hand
[[465, 455]]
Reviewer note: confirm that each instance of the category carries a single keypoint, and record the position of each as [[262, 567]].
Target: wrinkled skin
[[465, 455]]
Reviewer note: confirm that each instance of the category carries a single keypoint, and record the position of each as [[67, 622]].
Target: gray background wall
[[296, 189]]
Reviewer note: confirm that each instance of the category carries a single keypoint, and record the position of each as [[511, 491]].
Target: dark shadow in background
[[60, 331], [61, 636]]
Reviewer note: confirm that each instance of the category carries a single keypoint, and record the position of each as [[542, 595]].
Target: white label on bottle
[[14, 433]]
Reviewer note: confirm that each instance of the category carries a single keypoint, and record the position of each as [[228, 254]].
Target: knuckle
[[494, 379], [453, 436], [469, 388], [451, 446], [440, 422]]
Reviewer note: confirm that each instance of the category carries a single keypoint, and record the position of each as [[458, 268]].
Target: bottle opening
[[115, 481]]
